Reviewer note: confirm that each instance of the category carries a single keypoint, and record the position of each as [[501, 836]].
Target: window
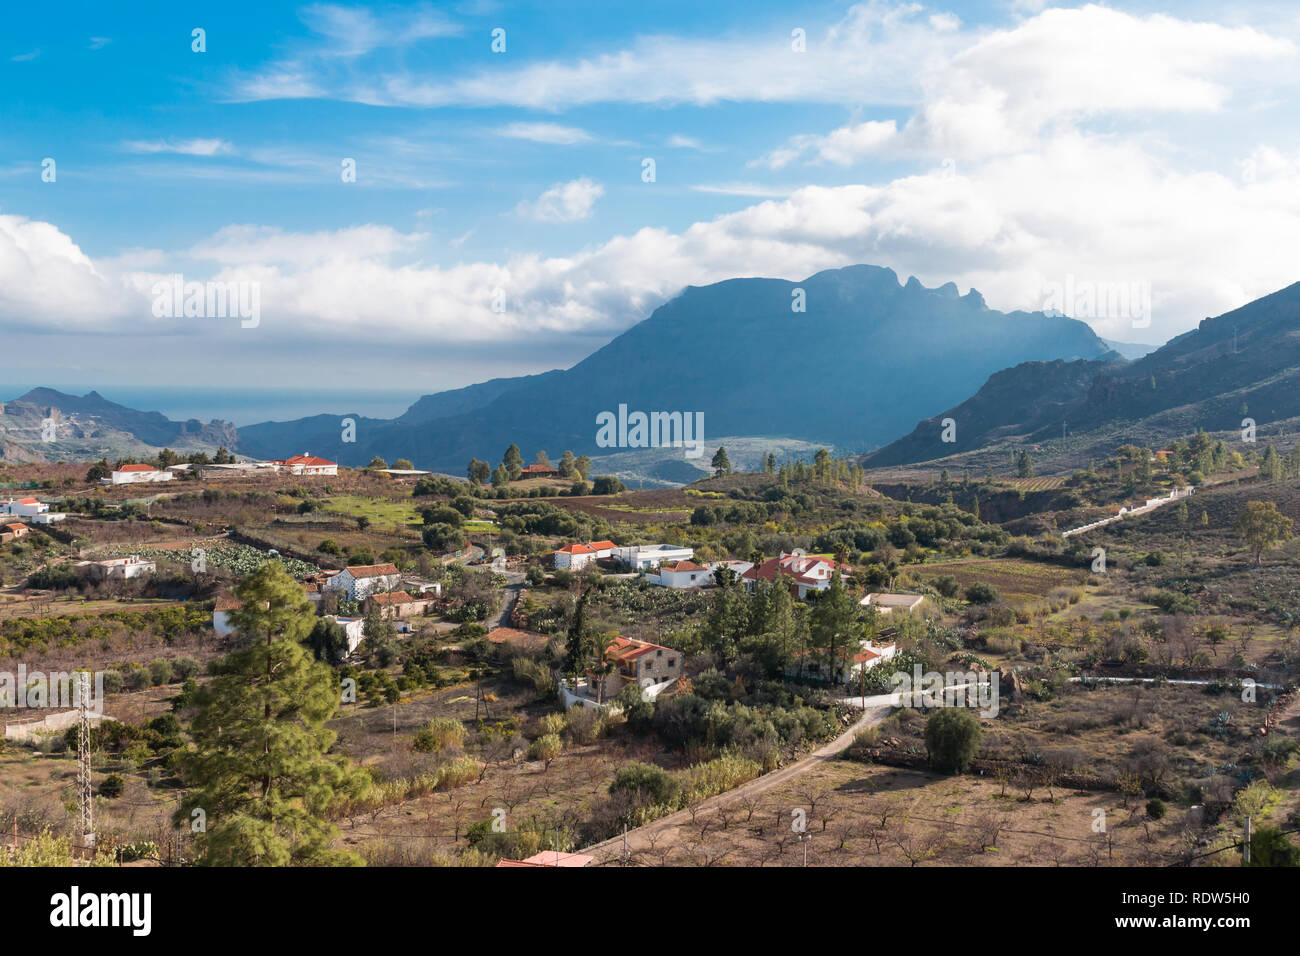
[[672, 661], [659, 653]]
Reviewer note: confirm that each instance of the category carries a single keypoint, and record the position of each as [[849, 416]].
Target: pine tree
[[513, 461], [721, 463], [260, 768]]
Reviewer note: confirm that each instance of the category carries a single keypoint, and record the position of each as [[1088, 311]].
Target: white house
[[23, 506], [129, 567], [131, 474], [575, 557], [221, 615], [354, 627], [888, 603], [643, 557], [680, 574], [804, 573], [306, 464], [49, 517], [364, 580]]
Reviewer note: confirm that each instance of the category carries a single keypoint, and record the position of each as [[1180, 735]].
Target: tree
[[832, 623], [513, 461], [582, 466], [566, 465], [500, 477], [260, 770], [223, 457], [1025, 465], [479, 472], [952, 738], [607, 485], [442, 537], [1269, 847], [403, 464], [99, 470], [328, 640], [721, 464], [1262, 527], [543, 460], [376, 464]]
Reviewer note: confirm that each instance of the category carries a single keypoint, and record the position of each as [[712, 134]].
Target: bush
[[946, 585], [980, 592], [160, 672], [113, 682], [136, 678], [647, 784], [546, 747], [440, 734], [952, 738], [1155, 808], [112, 786], [185, 668]]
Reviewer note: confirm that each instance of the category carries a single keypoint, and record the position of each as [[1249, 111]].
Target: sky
[[421, 196]]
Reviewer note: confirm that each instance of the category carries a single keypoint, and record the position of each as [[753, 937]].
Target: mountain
[[1244, 363], [865, 360], [1130, 350], [91, 427]]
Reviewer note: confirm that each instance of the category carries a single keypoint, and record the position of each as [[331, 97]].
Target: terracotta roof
[[682, 566], [535, 469], [305, 459], [628, 649], [550, 858], [15, 527], [28, 501], [136, 468], [396, 597], [228, 602], [602, 545], [372, 570], [573, 549]]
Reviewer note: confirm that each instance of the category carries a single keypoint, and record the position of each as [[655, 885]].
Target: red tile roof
[[396, 597], [602, 545], [372, 570], [137, 468], [682, 566], [304, 459], [573, 549]]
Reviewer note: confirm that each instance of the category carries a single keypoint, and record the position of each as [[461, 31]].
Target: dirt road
[[611, 850]]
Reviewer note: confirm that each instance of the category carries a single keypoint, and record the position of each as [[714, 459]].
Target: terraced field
[[1018, 582]]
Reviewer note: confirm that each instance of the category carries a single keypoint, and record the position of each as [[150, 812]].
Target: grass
[[384, 514]]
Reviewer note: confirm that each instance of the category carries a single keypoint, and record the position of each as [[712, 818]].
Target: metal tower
[[86, 809]]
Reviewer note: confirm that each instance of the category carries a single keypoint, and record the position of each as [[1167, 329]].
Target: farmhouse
[[364, 580], [306, 464], [681, 574], [126, 568], [27, 507], [888, 603], [575, 557], [635, 662], [49, 517], [803, 572], [11, 532], [398, 605], [538, 471], [135, 473]]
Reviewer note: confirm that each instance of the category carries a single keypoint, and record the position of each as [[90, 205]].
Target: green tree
[[1025, 465], [513, 461], [1270, 847], [500, 477], [952, 738], [479, 472], [1262, 527], [403, 464], [721, 464], [377, 464], [583, 467], [833, 626], [260, 768], [566, 465]]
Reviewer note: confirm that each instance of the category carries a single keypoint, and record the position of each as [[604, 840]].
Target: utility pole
[[86, 808]]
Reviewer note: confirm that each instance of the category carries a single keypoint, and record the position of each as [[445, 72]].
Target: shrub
[[160, 671], [1155, 808], [112, 786], [952, 738], [946, 585], [646, 783], [546, 747], [113, 682], [980, 592], [440, 734], [185, 668]]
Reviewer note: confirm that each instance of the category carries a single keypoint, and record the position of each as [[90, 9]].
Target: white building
[[129, 567], [643, 557], [575, 557], [888, 603], [306, 464], [132, 474], [364, 580], [680, 574], [803, 572], [354, 627], [49, 517], [23, 506]]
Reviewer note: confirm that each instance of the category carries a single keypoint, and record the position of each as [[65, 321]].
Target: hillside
[[1244, 363], [91, 427], [868, 357]]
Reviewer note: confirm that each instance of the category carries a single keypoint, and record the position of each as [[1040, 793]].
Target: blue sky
[[1005, 146]]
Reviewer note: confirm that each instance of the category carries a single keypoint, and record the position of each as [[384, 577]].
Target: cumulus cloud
[[187, 147], [564, 202], [552, 133]]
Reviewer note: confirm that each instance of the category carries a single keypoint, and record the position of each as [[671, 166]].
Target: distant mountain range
[[1244, 363], [48, 425], [867, 359], [860, 364]]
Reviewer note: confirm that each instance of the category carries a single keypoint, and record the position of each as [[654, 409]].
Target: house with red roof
[[651, 667], [550, 858], [538, 471], [26, 507], [576, 556], [306, 464], [851, 664], [360, 581], [136, 473], [804, 573]]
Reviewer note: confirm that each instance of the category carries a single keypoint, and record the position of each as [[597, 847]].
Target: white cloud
[[188, 147], [564, 202], [678, 141], [552, 133]]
